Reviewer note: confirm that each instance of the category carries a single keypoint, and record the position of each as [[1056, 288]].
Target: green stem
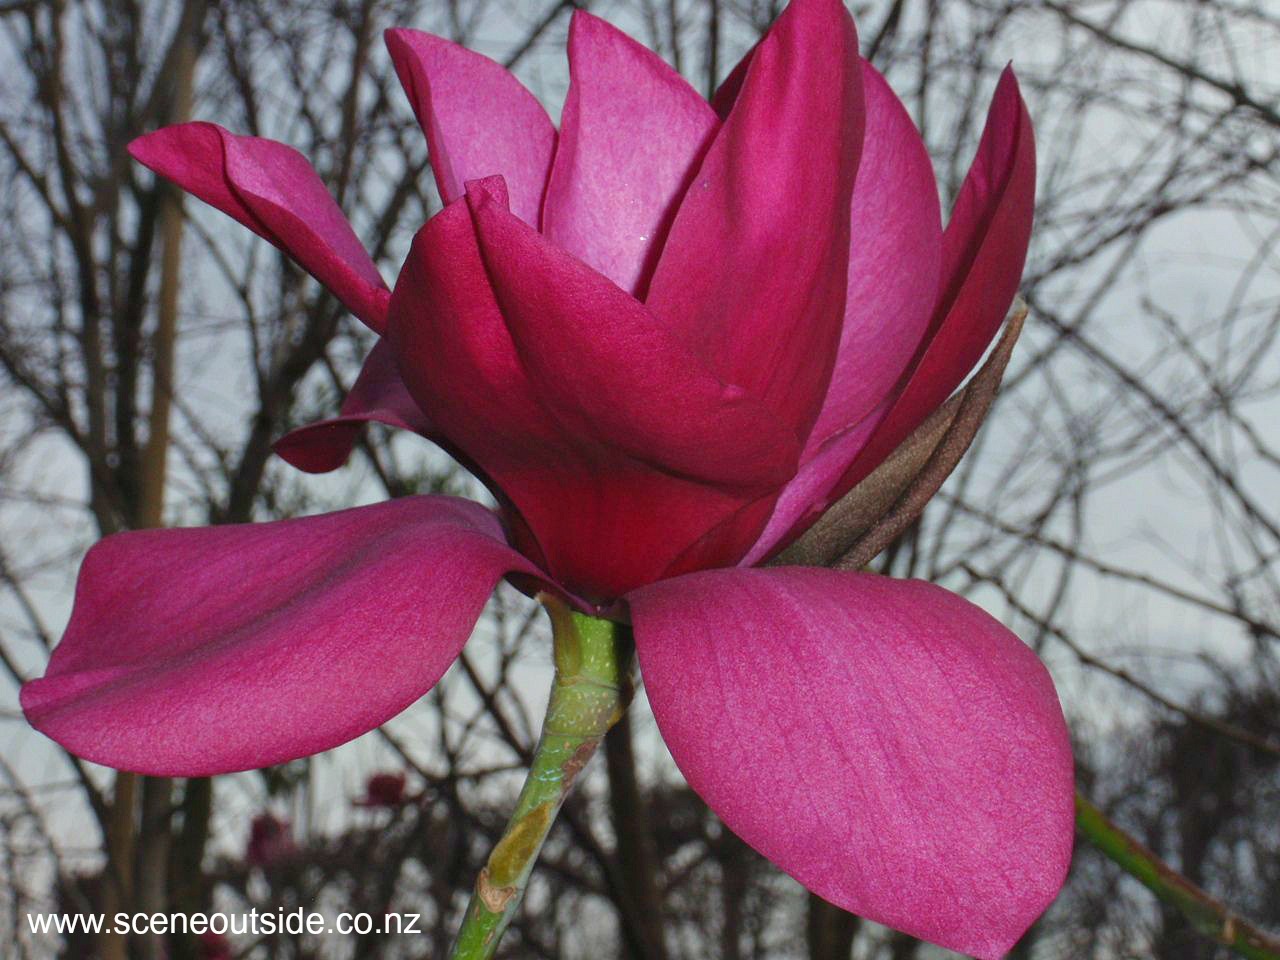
[[591, 689], [1209, 916]]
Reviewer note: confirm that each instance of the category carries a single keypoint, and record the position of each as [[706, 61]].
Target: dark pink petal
[[621, 384], [480, 121], [616, 446], [201, 651], [378, 395], [888, 744], [894, 261], [754, 271], [631, 136], [272, 190], [984, 250]]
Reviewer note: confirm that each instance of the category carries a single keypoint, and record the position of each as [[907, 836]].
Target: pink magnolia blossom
[[270, 842], [385, 790], [666, 336]]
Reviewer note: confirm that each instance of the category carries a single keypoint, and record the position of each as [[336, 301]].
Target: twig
[[1211, 917]]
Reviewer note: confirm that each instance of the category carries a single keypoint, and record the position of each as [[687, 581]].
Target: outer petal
[[378, 395], [616, 446], [631, 136], [984, 250], [480, 121], [754, 270], [272, 190], [887, 743], [201, 651]]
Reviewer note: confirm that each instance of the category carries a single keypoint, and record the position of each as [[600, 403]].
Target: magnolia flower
[[270, 842], [666, 336], [385, 790]]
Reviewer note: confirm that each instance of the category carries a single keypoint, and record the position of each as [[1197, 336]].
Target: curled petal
[[754, 270], [272, 190], [199, 651], [479, 120], [631, 136], [378, 396], [888, 744]]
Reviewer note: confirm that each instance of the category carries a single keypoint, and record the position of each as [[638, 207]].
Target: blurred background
[[1120, 510]]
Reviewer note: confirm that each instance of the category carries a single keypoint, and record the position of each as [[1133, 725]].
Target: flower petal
[[614, 443], [893, 270], [887, 743], [894, 262], [271, 189], [378, 395], [631, 136], [984, 250], [620, 385], [200, 651], [754, 271], [480, 121]]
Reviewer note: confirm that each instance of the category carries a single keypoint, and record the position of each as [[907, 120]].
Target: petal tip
[[142, 147], [302, 450], [159, 149], [1008, 87], [584, 20], [485, 193]]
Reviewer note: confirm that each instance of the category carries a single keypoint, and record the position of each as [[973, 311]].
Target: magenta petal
[[984, 250], [378, 395], [631, 135], [479, 120], [894, 262], [200, 651], [887, 743], [620, 452], [754, 271], [621, 388], [272, 190]]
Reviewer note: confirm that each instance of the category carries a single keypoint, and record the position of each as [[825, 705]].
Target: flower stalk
[[591, 689], [1209, 917]]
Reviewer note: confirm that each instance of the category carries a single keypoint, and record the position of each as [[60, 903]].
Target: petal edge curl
[[273, 190], [377, 396]]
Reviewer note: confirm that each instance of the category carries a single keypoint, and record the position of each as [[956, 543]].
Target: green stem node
[[591, 689]]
